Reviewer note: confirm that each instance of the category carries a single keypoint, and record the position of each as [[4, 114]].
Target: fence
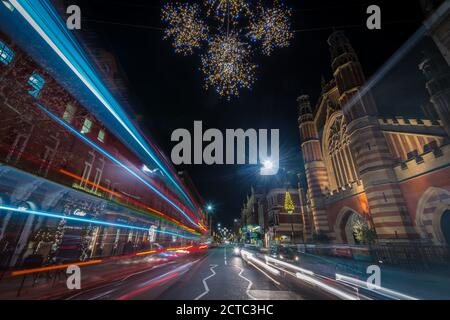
[[408, 256]]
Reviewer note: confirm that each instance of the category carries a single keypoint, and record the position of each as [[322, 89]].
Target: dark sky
[[168, 93]]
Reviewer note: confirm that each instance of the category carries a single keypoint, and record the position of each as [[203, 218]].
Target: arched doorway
[[350, 232], [432, 218], [349, 225], [445, 225]]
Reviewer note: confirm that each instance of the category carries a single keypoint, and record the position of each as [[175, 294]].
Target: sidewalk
[[431, 284]]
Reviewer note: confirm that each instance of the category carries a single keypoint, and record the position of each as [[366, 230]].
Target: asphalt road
[[214, 275]]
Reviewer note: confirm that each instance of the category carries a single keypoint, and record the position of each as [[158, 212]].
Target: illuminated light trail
[[164, 216], [51, 268], [326, 287], [288, 265], [251, 257], [186, 249], [116, 161], [41, 15], [178, 249], [146, 252], [163, 158], [29, 157], [304, 274], [99, 222], [151, 285], [371, 287], [81, 264], [159, 280]]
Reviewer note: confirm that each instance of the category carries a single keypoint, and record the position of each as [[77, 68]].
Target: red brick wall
[[413, 189], [357, 203]]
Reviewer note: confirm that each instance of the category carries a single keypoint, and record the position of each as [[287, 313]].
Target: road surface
[[216, 275]]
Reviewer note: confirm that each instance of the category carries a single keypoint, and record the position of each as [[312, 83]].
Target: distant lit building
[[266, 220]]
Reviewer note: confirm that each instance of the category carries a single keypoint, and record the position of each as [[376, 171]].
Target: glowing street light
[[268, 165]]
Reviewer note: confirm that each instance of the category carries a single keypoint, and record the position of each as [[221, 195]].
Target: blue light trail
[[90, 221], [116, 161], [46, 22]]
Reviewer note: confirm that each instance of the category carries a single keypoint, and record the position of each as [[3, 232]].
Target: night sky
[[166, 89]]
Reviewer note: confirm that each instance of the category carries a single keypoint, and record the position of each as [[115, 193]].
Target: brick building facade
[[390, 176]]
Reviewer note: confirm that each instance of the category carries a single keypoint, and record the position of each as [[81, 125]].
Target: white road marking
[[205, 284], [250, 283], [225, 255]]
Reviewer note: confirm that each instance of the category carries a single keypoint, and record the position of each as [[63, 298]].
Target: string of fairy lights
[[227, 48]]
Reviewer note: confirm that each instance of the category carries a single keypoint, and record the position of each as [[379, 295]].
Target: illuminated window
[[69, 113], [37, 83], [6, 54], [87, 125], [101, 135], [341, 165]]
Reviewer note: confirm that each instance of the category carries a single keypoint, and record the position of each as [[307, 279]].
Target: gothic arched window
[[338, 156]]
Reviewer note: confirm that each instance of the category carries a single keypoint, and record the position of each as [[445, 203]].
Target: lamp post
[[210, 210], [268, 165]]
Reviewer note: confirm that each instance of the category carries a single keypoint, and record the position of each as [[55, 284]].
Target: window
[[6, 54], [98, 175], [101, 135], [87, 125], [87, 170], [69, 113], [37, 83], [338, 155]]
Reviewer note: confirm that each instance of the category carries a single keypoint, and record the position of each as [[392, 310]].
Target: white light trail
[[339, 293], [377, 289]]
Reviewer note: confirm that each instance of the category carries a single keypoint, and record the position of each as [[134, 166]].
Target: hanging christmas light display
[[272, 27], [227, 62], [184, 26], [227, 65], [223, 9]]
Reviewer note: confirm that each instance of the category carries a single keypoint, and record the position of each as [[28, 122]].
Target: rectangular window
[[101, 135], [37, 84], [69, 113], [87, 126], [6, 54]]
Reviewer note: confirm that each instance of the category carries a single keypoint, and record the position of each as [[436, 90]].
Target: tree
[[288, 203], [362, 232]]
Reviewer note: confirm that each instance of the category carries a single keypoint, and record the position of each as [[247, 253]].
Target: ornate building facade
[[388, 176]]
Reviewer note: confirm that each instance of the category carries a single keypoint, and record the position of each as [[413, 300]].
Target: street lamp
[[269, 168], [268, 165]]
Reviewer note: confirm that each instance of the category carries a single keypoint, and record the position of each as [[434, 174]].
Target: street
[[218, 275], [224, 150]]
